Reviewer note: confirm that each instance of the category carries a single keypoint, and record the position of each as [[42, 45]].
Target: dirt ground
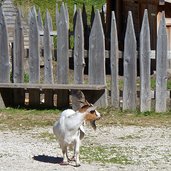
[[148, 147]]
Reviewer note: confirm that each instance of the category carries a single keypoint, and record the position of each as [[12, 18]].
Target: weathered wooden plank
[[97, 57], [62, 48], [34, 45], [4, 57], [18, 60], [39, 20], [161, 70], [27, 86], [130, 66], [79, 62], [62, 56], [145, 64], [48, 68], [114, 56], [34, 57]]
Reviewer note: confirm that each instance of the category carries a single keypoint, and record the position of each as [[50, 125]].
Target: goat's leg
[[76, 152], [65, 156]]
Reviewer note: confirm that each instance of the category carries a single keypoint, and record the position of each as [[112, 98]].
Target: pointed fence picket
[[114, 57], [34, 57], [145, 64], [54, 86], [18, 59], [161, 71], [79, 62], [62, 55], [97, 57], [130, 67]]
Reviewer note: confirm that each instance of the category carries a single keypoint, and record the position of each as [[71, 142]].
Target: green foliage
[[51, 6]]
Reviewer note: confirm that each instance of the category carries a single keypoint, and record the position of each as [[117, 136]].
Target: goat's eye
[[92, 111]]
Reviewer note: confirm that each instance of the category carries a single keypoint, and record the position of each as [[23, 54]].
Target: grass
[[25, 119], [103, 154]]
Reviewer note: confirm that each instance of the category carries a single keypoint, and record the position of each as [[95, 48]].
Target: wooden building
[[155, 7]]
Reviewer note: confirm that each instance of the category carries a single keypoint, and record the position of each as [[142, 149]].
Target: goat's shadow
[[48, 159]]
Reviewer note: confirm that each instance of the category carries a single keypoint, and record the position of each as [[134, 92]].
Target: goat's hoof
[[77, 165], [64, 163], [72, 159]]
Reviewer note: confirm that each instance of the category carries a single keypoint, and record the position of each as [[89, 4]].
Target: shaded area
[[48, 159]]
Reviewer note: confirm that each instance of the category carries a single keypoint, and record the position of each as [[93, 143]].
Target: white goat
[[69, 129]]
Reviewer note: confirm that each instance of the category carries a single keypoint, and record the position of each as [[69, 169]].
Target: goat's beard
[[93, 124]]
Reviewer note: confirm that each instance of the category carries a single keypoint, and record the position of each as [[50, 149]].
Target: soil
[[148, 147]]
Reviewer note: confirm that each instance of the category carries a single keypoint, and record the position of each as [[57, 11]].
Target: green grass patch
[[26, 119], [103, 154]]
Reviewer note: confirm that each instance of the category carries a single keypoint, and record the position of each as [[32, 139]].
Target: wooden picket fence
[[56, 85]]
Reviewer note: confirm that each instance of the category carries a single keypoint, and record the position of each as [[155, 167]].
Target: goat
[[69, 129]]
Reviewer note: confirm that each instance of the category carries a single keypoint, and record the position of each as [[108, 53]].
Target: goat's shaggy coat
[[69, 129]]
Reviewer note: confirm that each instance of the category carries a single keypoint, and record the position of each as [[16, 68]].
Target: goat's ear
[[92, 108]]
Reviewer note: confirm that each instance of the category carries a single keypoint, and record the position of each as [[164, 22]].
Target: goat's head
[[91, 113]]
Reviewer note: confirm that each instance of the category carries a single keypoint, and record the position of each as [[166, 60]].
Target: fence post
[[79, 62], [145, 64], [130, 66], [161, 70], [34, 57], [114, 56], [62, 56], [48, 68], [97, 58], [5, 94], [18, 60], [4, 56]]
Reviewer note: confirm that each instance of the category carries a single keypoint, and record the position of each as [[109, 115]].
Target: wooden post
[[34, 57], [4, 57], [97, 57], [145, 64], [18, 61], [130, 66], [114, 56], [161, 71], [48, 68], [62, 57], [5, 94], [79, 62]]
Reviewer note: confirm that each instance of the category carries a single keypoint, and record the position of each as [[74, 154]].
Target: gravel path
[[149, 148]]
